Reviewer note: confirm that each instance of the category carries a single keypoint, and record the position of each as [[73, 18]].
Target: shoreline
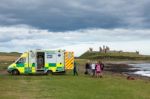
[[124, 69]]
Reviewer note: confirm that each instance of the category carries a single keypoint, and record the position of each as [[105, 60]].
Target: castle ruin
[[106, 49]]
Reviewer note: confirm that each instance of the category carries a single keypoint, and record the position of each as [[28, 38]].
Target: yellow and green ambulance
[[42, 62]]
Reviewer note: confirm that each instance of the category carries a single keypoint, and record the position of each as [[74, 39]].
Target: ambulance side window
[[21, 61], [49, 56]]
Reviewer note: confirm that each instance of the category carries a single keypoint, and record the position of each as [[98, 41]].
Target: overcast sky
[[75, 25]]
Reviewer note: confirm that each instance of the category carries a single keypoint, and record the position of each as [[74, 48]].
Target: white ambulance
[[42, 61]]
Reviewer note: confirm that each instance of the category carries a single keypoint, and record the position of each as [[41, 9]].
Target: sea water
[[143, 69]]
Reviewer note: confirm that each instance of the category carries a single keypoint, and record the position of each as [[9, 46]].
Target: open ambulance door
[[69, 60], [60, 61], [32, 62]]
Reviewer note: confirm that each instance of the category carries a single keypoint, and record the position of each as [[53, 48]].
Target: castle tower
[[90, 49]]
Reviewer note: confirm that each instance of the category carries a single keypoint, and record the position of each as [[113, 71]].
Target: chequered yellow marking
[[53, 69], [21, 69], [33, 70], [59, 65]]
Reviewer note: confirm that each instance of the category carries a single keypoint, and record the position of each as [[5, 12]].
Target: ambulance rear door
[[69, 60], [60, 61]]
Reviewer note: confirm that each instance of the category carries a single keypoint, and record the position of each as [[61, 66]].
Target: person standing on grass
[[102, 68], [87, 68], [93, 69], [75, 69], [98, 70]]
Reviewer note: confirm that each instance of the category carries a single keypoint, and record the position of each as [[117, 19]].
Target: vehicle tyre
[[15, 72], [63, 72], [49, 72]]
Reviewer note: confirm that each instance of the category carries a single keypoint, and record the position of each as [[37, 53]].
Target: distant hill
[[10, 54], [112, 56]]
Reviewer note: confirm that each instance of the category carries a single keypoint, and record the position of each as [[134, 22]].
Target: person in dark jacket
[[102, 65], [75, 69], [87, 68], [102, 68]]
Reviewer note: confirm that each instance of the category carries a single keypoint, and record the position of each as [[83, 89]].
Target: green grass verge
[[70, 87]]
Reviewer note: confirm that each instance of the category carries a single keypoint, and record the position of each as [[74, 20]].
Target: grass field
[[69, 86], [72, 87]]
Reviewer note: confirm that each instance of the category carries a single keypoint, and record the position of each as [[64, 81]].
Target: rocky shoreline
[[119, 68], [123, 70]]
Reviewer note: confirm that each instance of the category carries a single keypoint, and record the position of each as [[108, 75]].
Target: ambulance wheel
[[49, 72], [15, 72]]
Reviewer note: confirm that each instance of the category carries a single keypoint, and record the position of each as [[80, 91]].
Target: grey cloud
[[58, 15]]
